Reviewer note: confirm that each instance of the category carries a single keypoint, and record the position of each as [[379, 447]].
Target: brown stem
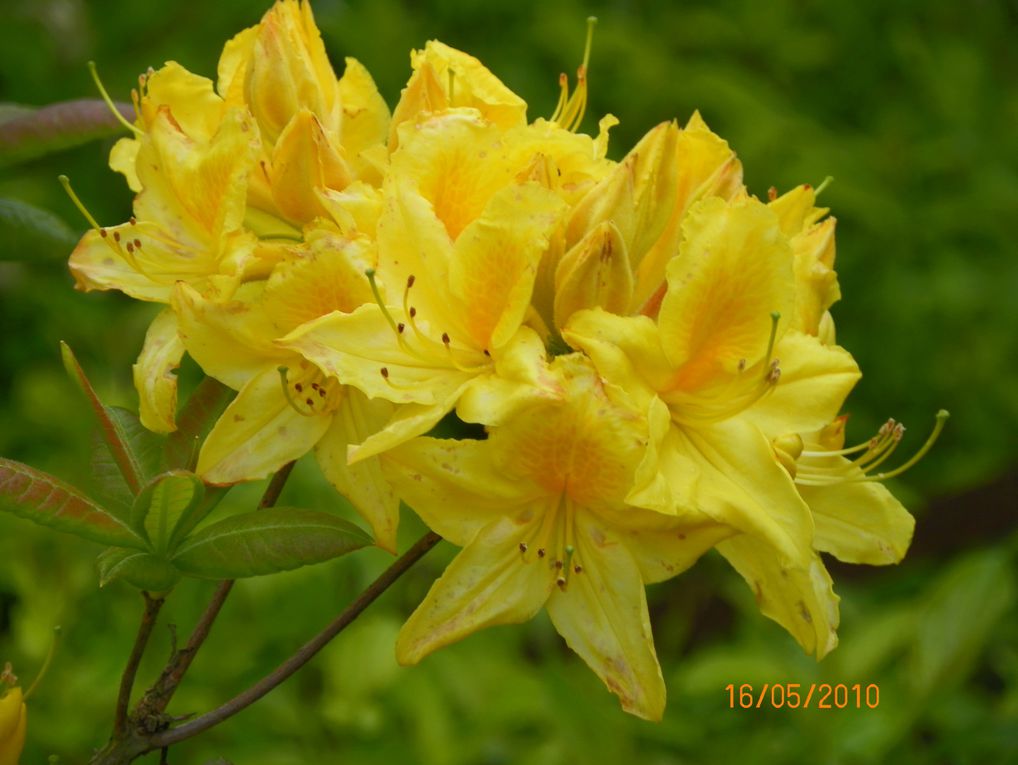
[[158, 697], [303, 655], [148, 621]]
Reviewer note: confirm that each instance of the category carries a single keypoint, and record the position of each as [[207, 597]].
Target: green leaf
[[267, 541], [46, 500], [31, 233], [966, 604], [57, 127], [11, 111], [134, 449], [110, 489], [208, 401], [168, 500], [143, 570]]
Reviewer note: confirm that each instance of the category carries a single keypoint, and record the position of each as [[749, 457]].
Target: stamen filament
[[289, 398], [66, 183], [938, 426], [826, 182], [109, 101], [45, 664]]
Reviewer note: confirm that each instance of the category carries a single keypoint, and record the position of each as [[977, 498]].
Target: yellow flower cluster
[[646, 344]]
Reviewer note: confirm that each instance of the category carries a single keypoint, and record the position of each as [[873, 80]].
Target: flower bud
[[13, 718], [279, 68]]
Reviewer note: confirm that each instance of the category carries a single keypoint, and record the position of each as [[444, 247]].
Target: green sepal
[[49, 501], [144, 570], [267, 541]]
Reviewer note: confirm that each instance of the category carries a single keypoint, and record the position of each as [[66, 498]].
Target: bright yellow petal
[[288, 69], [196, 191], [858, 522], [355, 348], [304, 162], [123, 159], [155, 376], [327, 276], [231, 340], [258, 433], [365, 120], [520, 377], [733, 270], [800, 599], [663, 545], [706, 166], [815, 380], [409, 421], [195, 107], [625, 349], [457, 162], [454, 485], [13, 721], [738, 482], [488, 583], [363, 484], [602, 614], [595, 273], [448, 78], [495, 259]]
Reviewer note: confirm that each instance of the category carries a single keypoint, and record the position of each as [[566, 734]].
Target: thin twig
[[158, 697], [148, 621], [302, 656]]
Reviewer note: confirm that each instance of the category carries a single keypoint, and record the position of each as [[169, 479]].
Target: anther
[[772, 194], [410, 281], [412, 312], [578, 569], [523, 547], [133, 221], [385, 372], [309, 401], [103, 233], [400, 327], [137, 243], [116, 236], [540, 552], [445, 338]]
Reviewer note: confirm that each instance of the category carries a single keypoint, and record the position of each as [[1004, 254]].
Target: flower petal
[[663, 545], [859, 522], [488, 583], [155, 376], [454, 485], [801, 599], [365, 122], [258, 433], [495, 260], [738, 482], [602, 614], [815, 380], [363, 483]]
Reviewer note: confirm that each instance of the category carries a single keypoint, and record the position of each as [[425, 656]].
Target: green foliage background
[[911, 106]]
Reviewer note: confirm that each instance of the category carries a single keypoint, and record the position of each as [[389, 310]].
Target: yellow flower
[[285, 405], [445, 78], [723, 366], [13, 718], [459, 248], [539, 508], [623, 233]]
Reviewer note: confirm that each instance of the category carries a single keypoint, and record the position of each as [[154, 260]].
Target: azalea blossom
[[539, 508]]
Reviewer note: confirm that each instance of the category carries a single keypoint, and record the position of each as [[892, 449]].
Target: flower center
[[749, 384], [553, 542], [308, 391]]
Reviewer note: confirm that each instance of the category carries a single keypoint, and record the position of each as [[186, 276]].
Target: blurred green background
[[911, 106]]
